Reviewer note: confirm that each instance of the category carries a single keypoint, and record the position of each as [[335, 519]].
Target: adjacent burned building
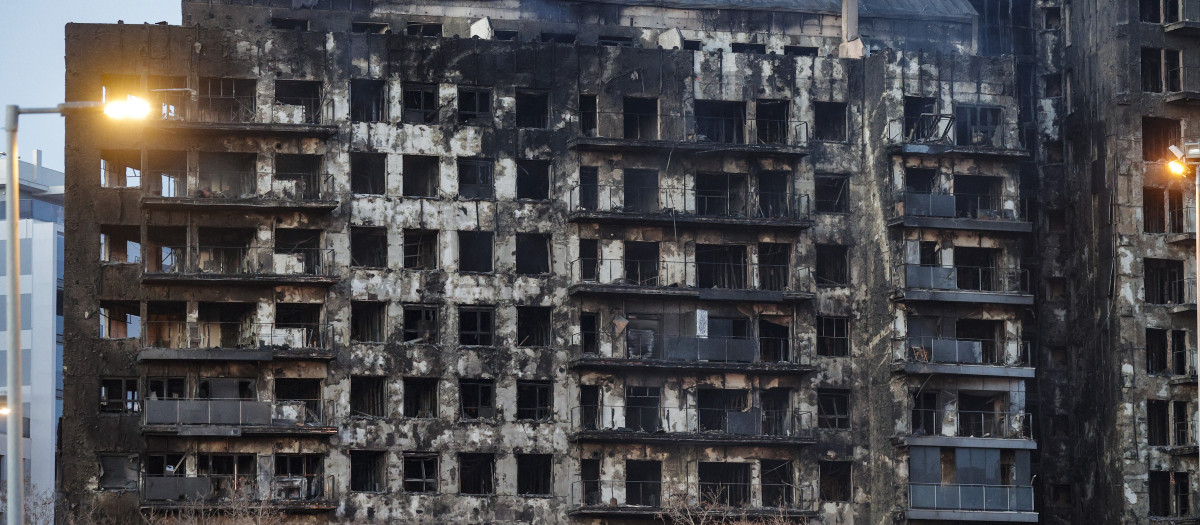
[[588, 261]]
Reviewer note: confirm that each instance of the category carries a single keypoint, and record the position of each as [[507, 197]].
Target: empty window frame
[[421, 397], [691, 45], [771, 121], [1160, 11], [978, 126], [533, 179], [304, 94], [558, 38], [368, 100], [118, 319], [830, 121], [474, 105], [641, 263], [1158, 423], [832, 193], [589, 323], [641, 118], [777, 483], [724, 484], [119, 471], [533, 326], [420, 323], [475, 251], [118, 244], [800, 51], [421, 176], [477, 398], [1158, 135], [833, 408], [834, 480], [535, 400], [743, 47], [368, 173], [1164, 281], [299, 176], [505, 35], [368, 246], [1161, 70], [420, 249], [533, 253], [922, 123], [475, 179], [1170, 494], [587, 115], [367, 470], [120, 168], [119, 395], [476, 473], [833, 336], [289, 24], [166, 388], [476, 325], [643, 482], [640, 191], [431, 29], [533, 109], [226, 99], [420, 472], [368, 321], [368, 396], [833, 265], [720, 121], [533, 475], [420, 104]]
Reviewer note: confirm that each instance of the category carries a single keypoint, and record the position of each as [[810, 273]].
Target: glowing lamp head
[[1177, 167], [132, 108], [4, 411]]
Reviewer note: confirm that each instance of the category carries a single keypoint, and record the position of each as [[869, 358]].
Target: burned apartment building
[[548, 261]]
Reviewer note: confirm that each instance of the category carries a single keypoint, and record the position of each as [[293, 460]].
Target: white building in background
[[41, 232]]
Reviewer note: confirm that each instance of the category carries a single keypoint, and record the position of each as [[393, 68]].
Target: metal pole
[[1196, 298], [14, 429]]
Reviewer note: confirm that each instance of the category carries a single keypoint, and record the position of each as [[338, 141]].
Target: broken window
[[368, 100], [587, 115], [420, 472], [120, 87], [534, 400], [368, 246], [558, 38], [777, 483], [615, 41], [367, 470], [420, 249], [120, 168], [643, 482], [977, 197], [475, 251], [533, 109], [641, 191], [475, 325], [1164, 281], [166, 173], [722, 194], [166, 388], [306, 392], [533, 179], [226, 99], [119, 395], [641, 263], [833, 336], [1156, 351], [118, 244], [714, 405], [420, 176], [118, 319], [158, 465], [835, 480], [774, 342], [1157, 423], [724, 484], [302, 94], [420, 397], [641, 118], [420, 104], [533, 326], [370, 28], [423, 29], [1004, 26], [368, 173], [721, 266], [775, 196], [420, 323], [642, 408], [833, 265], [691, 45], [589, 259], [976, 268], [833, 408], [299, 476], [1180, 433], [367, 321], [533, 253], [829, 121], [226, 176], [1170, 494], [589, 323], [230, 474], [1161, 70], [742, 47], [368, 396], [475, 179], [774, 266], [1154, 210], [799, 51], [533, 475], [978, 126], [1160, 11], [832, 193], [921, 121], [474, 105], [1158, 135], [119, 471], [169, 97], [1180, 353], [771, 119], [477, 398], [720, 121], [476, 473], [298, 176]]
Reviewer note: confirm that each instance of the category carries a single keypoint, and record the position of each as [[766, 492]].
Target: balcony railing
[[693, 202], [209, 488], [237, 185], [235, 412], [752, 421], [226, 109], [975, 424], [947, 130], [601, 492], [994, 498], [213, 334], [1171, 292], [311, 488], [965, 206], [240, 260], [691, 274], [967, 278], [994, 352], [774, 498], [646, 345], [693, 128]]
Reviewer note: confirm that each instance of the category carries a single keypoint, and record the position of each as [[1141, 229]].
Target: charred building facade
[[588, 261]]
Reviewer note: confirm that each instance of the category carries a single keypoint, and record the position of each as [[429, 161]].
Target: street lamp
[[1184, 165], [129, 108]]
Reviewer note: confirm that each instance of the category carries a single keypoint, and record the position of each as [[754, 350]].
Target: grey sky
[[31, 37]]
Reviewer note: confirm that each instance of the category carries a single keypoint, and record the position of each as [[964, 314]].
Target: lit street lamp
[[130, 108], [1184, 165]]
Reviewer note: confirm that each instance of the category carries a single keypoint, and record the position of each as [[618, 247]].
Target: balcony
[[1185, 21], [1182, 85], [976, 357], [608, 204], [240, 263], [708, 281], [235, 417], [996, 213], [617, 498], [948, 135], [696, 426], [935, 501], [287, 493], [643, 349], [970, 284], [1179, 226], [179, 112], [238, 189], [234, 341], [962, 428], [1178, 295], [691, 134]]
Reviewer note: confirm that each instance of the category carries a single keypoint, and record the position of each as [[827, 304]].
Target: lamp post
[[1185, 163], [130, 108]]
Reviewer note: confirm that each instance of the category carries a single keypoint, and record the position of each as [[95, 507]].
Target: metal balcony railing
[[602, 492], [235, 412], [240, 260], [236, 185], [736, 204], [976, 424], [967, 278], [646, 345], [226, 109], [303, 488], [771, 497], [1179, 220], [965, 206], [1172, 292], [691, 274], [206, 488], [996, 498], [231, 335], [995, 352], [925, 128], [752, 421], [695, 128]]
